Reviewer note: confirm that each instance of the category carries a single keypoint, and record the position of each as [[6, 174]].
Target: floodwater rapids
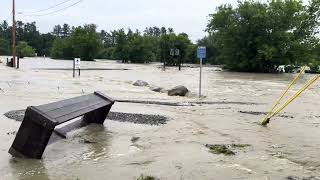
[[288, 148]]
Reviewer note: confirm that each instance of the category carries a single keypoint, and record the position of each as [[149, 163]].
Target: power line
[[39, 15], [50, 7]]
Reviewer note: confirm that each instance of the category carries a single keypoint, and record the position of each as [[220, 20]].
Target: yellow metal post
[[296, 95], [266, 119]]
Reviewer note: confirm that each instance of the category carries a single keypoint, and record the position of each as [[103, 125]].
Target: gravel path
[[137, 118], [15, 115], [115, 116]]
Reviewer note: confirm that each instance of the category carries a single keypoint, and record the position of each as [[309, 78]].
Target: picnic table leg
[[32, 137], [97, 116]]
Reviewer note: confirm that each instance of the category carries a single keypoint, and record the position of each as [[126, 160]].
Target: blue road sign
[[201, 52]]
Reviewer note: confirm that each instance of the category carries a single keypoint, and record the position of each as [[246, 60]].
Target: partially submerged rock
[[134, 139], [140, 83], [178, 91], [156, 89]]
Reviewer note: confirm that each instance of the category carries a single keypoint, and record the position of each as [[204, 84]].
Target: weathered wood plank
[[57, 105], [56, 113], [78, 113]]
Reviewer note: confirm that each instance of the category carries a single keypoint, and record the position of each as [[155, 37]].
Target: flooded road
[[288, 147]]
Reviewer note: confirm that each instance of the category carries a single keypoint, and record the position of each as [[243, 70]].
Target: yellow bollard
[[272, 113], [305, 87], [267, 119]]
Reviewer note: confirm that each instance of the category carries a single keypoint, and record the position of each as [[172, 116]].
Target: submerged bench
[[40, 121]]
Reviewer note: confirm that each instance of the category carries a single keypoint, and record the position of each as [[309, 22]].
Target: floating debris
[[240, 145], [226, 149], [12, 133], [85, 141], [220, 149], [263, 113], [302, 178], [147, 178]]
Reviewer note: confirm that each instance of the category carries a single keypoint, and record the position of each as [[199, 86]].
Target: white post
[[200, 77], [74, 68]]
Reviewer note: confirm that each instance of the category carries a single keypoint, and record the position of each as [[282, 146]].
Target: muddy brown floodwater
[[289, 148]]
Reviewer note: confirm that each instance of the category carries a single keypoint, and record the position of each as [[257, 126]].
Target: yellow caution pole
[[306, 86], [265, 120]]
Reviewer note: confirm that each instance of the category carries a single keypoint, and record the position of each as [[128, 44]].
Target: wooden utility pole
[[165, 51], [13, 34]]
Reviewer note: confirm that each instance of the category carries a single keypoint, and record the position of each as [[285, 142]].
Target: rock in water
[[178, 91], [156, 89], [140, 83]]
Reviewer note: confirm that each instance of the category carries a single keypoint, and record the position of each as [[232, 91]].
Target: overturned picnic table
[[40, 121]]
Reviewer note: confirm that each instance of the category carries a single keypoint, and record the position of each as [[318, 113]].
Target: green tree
[[121, 50], [65, 30], [85, 42], [258, 37], [211, 51], [4, 47], [173, 41], [140, 50], [62, 49], [24, 50]]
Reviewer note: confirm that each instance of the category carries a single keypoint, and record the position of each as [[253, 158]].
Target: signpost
[[176, 52], [76, 65], [201, 54], [171, 52]]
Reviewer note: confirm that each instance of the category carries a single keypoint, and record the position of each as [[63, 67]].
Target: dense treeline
[[28, 37], [259, 37], [66, 42], [153, 44], [252, 37]]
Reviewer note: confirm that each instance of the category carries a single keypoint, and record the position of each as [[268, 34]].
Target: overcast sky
[[189, 16]]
